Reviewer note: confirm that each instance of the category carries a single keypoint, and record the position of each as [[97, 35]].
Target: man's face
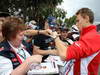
[[80, 22]]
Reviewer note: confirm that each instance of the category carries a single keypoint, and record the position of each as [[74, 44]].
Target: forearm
[[34, 32], [61, 47], [47, 52], [52, 52], [31, 32], [21, 69]]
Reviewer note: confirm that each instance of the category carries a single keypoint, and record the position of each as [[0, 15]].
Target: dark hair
[[86, 12], [4, 14], [64, 29], [11, 26], [98, 27]]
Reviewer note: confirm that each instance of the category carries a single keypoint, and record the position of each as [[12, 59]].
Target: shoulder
[[5, 49], [4, 45], [4, 60]]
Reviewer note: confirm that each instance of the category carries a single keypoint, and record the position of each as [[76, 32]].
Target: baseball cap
[[4, 14]]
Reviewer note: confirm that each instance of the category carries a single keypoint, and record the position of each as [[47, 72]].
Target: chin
[[19, 42]]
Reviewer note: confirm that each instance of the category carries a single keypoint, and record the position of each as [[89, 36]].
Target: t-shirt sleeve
[[5, 66], [78, 50]]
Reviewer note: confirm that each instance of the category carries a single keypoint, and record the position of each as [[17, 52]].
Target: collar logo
[[2, 48]]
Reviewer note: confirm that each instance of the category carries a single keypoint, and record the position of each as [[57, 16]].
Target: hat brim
[[4, 14]]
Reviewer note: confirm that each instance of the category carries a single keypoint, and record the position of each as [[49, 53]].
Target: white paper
[[55, 59], [44, 68]]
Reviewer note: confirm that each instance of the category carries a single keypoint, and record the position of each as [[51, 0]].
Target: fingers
[[49, 31], [54, 34]]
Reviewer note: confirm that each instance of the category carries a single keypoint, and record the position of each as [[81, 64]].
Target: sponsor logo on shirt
[[2, 48]]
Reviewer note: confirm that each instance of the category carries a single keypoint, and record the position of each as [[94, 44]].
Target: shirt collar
[[16, 49], [87, 29]]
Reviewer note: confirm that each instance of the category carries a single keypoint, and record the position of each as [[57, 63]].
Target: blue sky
[[71, 6]]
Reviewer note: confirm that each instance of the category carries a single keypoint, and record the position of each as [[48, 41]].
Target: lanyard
[[22, 55], [19, 49]]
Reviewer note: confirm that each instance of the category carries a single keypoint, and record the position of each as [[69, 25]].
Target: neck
[[87, 24], [13, 43], [1, 39]]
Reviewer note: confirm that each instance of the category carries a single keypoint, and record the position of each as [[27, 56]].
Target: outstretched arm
[[36, 50], [35, 32]]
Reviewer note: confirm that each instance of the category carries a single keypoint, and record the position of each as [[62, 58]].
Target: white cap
[[32, 24]]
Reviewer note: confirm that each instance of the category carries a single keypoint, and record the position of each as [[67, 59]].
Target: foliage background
[[37, 10]]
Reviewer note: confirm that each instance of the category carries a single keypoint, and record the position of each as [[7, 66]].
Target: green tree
[[70, 21], [60, 14], [29, 9]]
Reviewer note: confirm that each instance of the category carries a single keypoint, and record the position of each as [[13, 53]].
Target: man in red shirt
[[83, 56]]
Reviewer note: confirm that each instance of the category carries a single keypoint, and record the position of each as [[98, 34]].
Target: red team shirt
[[85, 52]]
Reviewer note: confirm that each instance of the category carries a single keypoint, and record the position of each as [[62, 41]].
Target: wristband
[[38, 32]]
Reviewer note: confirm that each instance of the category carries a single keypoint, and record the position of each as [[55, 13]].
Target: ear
[[87, 18]]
